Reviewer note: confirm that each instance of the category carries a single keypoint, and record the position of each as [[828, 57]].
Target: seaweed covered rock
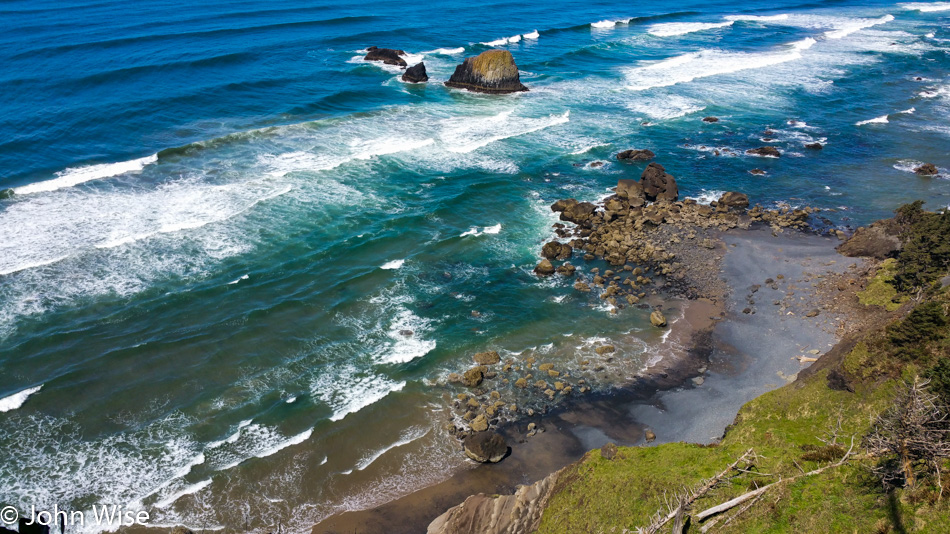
[[485, 447], [658, 184], [388, 56], [492, 71], [927, 169], [636, 155], [6, 193], [416, 74]]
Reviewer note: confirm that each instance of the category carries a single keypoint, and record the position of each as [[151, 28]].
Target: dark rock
[[658, 184], [815, 146], [608, 451], [556, 251], [416, 74], [181, 530], [407, 333], [27, 527], [485, 447], [927, 169], [710, 119], [487, 358], [766, 151], [567, 269], [6, 193], [813, 313], [473, 377], [733, 199], [877, 241], [757, 172], [545, 268], [596, 164], [636, 155], [388, 56], [492, 71]]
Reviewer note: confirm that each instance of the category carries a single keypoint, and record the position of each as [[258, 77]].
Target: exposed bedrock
[[492, 71]]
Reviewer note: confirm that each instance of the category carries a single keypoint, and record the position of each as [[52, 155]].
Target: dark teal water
[[224, 219]]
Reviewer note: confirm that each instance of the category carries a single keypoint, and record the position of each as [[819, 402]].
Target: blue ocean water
[[226, 224]]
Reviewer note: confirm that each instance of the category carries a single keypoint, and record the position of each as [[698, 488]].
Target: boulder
[[480, 423], [556, 251], [608, 451], [876, 241], [487, 358], [649, 435], [733, 199], [766, 151], [563, 204], [388, 56], [658, 184], [578, 212], [815, 146], [566, 269], [544, 268], [710, 119], [473, 377], [927, 169], [757, 172], [636, 155], [6, 193], [632, 191], [485, 447], [604, 349], [657, 319], [492, 71], [416, 74]]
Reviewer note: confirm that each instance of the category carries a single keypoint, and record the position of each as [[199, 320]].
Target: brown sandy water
[[745, 355]]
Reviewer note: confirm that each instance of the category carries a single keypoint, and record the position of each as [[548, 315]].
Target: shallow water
[[225, 220]]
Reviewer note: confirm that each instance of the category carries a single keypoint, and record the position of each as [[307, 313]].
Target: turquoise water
[[224, 220]]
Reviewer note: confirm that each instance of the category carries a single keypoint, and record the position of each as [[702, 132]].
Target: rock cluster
[[492, 71], [766, 151], [636, 155]]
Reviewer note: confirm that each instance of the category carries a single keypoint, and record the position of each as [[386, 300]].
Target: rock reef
[[388, 56], [492, 71]]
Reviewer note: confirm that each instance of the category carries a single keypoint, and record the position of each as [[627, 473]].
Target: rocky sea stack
[[416, 74], [388, 56], [493, 71]]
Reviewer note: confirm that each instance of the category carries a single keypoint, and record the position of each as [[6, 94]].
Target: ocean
[[240, 261]]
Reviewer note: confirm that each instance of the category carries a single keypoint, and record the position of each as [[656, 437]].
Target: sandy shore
[[720, 355]]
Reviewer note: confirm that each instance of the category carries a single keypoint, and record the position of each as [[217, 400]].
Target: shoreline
[[708, 366]]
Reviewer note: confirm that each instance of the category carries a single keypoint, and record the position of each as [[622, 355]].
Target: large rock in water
[[657, 319], [927, 169], [732, 199], [6, 193], [658, 184], [388, 56], [492, 71], [766, 151], [636, 154], [416, 74], [485, 447]]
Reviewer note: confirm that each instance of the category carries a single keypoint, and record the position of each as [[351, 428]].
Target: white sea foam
[[250, 441], [853, 25], [348, 392], [407, 437], [394, 264], [876, 120], [14, 401], [908, 165], [497, 42], [514, 39], [671, 29], [244, 277], [706, 196], [187, 490], [474, 231], [405, 348], [764, 18], [704, 63], [447, 51], [77, 175], [466, 134], [532, 35], [366, 149], [608, 23], [908, 111], [665, 106], [926, 7]]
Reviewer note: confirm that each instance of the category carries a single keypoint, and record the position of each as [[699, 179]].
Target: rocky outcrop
[[388, 56], [927, 169], [556, 251], [757, 172], [632, 192], [6, 193], [544, 268], [732, 199], [710, 119], [766, 151], [499, 514], [875, 241], [574, 211], [487, 358], [473, 377], [657, 319], [815, 146], [485, 447], [416, 74], [636, 155], [492, 71], [658, 184]]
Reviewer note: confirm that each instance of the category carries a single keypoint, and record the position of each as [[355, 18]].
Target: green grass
[[880, 290]]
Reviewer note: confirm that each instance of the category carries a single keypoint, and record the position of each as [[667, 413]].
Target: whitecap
[[496, 42], [348, 393], [926, 7], [608, 23], [665, 106], [755, 18], [908, 111], [394, 264], [291, 400], [854, 25], [466, 134], [245, 277], [672, 29], [532, 35], [187, 490], [474, 231], [876, 120], [707, 196], [78, 175], [407, 437], [12, 402], [403, 348], [447, 51], [514, 39]]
